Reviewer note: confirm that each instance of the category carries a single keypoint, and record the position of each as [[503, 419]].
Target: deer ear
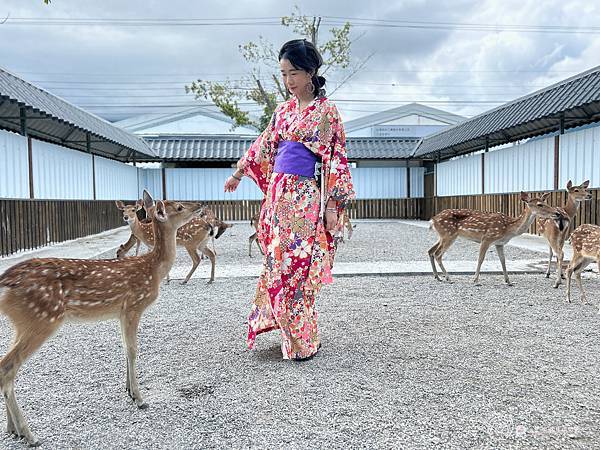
[[524, 197], [139, 204], [148, 201], [586, 183], [569, 184], [120, 205], [160, 212], [545, 196]]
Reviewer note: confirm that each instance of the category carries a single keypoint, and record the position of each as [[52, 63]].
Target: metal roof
[[52, 119], [399, 112], [207, 109], [575, 101], [231, 147]]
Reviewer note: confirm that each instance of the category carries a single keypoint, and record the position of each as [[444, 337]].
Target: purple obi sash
[[294, 158]]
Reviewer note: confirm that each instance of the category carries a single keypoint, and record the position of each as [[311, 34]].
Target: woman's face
[[295, 80]]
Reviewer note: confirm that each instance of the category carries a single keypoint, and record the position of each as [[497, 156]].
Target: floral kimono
[[298, 250]]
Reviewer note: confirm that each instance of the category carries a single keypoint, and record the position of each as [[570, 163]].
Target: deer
[[555, 237], [254, 224], [40, 294], [487, 228], [209, 215], [193, 236], [585, 241]]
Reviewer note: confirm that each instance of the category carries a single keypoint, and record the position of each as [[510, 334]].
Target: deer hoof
[[184, 282], [547, 274], [556, 285], [508, 283], [34, 442], [211, 281], [142, 405]]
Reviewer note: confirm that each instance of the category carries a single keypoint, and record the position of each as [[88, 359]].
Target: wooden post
[[561, 130], [88, 146], [407, 181], [485, 150], [25, 132], [164, 183]]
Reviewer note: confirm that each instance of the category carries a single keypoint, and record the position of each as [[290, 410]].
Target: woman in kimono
[[299, 162]]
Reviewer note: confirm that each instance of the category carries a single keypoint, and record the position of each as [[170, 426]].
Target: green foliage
[[263, 85]]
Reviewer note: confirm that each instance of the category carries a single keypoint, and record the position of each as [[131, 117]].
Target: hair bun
[[321, 80]]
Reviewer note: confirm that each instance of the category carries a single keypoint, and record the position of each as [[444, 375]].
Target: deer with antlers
[[39, 295], [193, 236], [487, 229], [585, 241], [555, 237]]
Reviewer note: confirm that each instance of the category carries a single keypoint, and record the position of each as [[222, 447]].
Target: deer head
[[168, 213], [579, 193], [539, 207], [129, 211]]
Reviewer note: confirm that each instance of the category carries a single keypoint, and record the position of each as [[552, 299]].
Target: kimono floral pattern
[[299, 251]]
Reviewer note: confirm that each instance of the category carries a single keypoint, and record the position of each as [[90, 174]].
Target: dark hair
[[302, 54]]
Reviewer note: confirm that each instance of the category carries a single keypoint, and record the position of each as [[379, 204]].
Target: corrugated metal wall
[[115, 180], [578, 160], [379, 182], [417, 182], [61, 173], [14, 166], [459, 176], [151, 179], [207, 184], [525, 167]]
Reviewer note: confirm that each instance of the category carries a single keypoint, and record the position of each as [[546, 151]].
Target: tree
[[263, 85]]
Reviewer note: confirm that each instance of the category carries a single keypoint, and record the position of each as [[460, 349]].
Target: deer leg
[[195, 261], [25, 344], [431, 253], [569, 273], [560, 255], [550, 254], [212, 256], [500, 251], [129, 327], [250, 241], [443, 247], [485, 245], [137, 247]]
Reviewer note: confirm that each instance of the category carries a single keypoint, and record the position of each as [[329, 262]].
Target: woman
[[302, 204]]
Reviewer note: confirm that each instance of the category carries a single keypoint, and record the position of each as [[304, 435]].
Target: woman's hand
[[331, 220], [232, 183]]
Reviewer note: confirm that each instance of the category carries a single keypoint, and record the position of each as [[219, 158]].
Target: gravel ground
[[406, 362], [370, 242]]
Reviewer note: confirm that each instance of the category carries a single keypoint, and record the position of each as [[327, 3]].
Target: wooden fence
[[29, 224]]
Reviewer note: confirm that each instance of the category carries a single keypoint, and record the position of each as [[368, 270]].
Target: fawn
[[39, 295], [556, 237], [487, 229], [193, 236], [585, 241]]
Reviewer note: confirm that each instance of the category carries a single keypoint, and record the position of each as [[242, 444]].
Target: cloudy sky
[[121, 58]]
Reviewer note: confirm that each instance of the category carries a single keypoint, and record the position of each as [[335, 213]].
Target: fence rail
[[29, 224]]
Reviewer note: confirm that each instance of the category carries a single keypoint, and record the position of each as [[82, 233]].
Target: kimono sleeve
[[257, 162], [338, 179]]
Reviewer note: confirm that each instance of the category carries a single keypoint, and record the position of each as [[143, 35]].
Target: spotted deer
[[39, 295], [209, 215], [585, 241], [254, 224], [193, 236], [487, 229], [555, 237]]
